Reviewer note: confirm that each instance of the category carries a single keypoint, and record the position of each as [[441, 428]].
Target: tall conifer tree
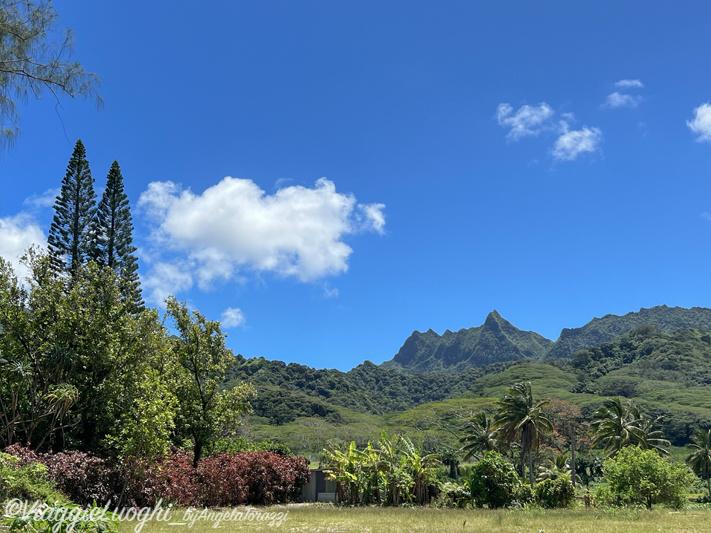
[[113, 240], [70, 235]]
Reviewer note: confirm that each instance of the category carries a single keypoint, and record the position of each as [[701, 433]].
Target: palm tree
[[700, 460], [480, 437], [649, 438], [617, 424], [519, 417]]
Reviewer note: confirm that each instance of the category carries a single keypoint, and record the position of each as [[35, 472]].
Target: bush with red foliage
[[271, 478], [256, 478], [221, 481], [82, 477], [23, 453], [171, 478]]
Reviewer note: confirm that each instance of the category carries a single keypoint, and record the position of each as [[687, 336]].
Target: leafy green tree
[[113, 239], [205, 412], [32, 60], [70, 235], [700, 458], [519, 417], [638, 476], [494, 481], [78, 369], [479, 436]]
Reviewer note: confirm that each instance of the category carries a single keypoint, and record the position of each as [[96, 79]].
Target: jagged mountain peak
[[496, 340]]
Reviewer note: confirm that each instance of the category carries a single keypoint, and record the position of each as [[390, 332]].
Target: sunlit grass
[[326, 518]]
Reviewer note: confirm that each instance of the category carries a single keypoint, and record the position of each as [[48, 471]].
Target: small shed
[[319, 489]]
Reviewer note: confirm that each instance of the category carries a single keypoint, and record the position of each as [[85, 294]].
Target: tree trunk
[[530, 464], [572, 451], [197, 452]]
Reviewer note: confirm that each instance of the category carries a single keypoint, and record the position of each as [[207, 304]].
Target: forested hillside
[[599, 330], [667, 374]]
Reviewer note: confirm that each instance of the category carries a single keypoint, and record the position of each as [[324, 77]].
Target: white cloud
[[232, 317], [571, 144], [617, 99], [701, 125], [629, 84], [17, 234], [527, 120], [46, 199], [166, 279], [235, 226]]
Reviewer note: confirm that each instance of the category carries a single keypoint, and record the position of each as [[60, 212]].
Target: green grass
[[327, 518]]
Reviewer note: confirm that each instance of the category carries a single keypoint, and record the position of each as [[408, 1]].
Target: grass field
[[325, 518]]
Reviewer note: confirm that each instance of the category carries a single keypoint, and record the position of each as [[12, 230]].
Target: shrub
[[28, 481], [554, 493], [452, 495], [271, 478], [494, 481], [221, 481], [169, 477], [523, 494], [81, 476], [637, 476]]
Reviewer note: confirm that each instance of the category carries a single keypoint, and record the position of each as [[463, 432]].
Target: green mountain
[[599, 330], [667, 374], [495, 341]]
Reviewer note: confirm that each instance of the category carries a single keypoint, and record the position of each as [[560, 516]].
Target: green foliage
[[656, 319], [71, 235], [392, 472], [205, 411], [287, 392], [700, 458], [519, 417], [64, 518], [643, 477], [554, 493], [26, 482], [33, 60], [479, 436], [79, 369], [617, 424], [113, 239], [494, 481]]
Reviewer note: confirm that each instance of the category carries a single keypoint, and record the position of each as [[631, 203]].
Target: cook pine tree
[[112, 244], [70, 236]]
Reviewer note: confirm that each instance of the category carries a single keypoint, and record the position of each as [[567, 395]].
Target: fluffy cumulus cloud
[[17, 234], [234, 227], [526, 121], [533, 120], [701, 124], [232, 317], [571, 143]]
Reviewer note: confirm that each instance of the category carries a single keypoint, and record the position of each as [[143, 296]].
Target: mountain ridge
[[495, 341], [499, 341]]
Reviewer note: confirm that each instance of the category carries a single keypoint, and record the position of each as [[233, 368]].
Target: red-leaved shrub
[[256, 478], [221, 482], [82, 477], [271, 478], [171, 478]]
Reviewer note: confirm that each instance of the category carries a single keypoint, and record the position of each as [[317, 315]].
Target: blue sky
[[327, 177]]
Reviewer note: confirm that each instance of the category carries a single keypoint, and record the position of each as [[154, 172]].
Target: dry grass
[[325, 518]]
